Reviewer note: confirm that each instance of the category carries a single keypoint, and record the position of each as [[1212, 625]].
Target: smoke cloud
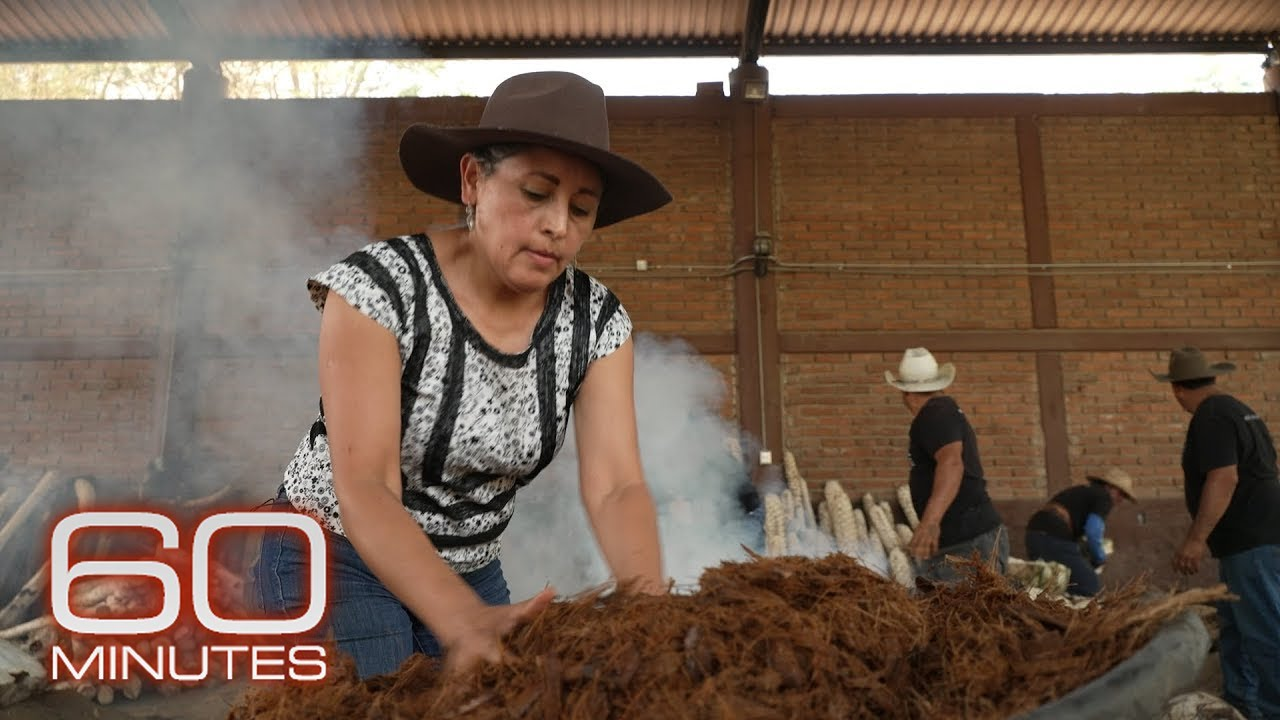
[[101, 205], [693, 463]]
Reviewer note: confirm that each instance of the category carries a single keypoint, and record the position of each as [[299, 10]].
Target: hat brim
[[946, 375], [430, 156], [1214, 370], [1127, 495]]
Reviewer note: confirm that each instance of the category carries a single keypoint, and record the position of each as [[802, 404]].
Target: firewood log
[[207, 502], [8, 498], [23, 629], [19, 607], [27, 521]]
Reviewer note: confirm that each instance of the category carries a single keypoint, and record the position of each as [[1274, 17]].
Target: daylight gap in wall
[[656, 76]]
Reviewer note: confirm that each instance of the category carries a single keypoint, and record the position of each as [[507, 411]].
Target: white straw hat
[[919, 372]]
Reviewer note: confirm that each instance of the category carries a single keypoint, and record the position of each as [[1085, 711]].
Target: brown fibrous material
[[769, 638]]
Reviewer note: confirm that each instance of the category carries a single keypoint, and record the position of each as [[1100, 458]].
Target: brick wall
[[844, 422], [904, 193], [80, 416], [80, 238], [924, 190], [690, 156], [1166, 190]]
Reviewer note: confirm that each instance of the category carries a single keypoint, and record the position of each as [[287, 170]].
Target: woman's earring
[[470, 212]]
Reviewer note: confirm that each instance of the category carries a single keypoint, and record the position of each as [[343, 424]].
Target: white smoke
[[693, 463]]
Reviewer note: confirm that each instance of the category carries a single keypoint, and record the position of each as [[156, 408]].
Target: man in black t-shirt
[[948, 487], [1080, 511], [1232, 490]]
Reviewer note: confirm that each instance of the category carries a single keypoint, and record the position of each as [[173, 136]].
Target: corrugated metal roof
[[468, 21], [77, 20], [177, 29], [996, 22]]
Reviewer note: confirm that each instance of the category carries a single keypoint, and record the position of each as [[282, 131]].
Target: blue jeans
[[1249, 632], [365, 620], [1043, 546], [992, 547]]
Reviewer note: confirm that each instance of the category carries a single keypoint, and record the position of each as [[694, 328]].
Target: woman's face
[[532, 213]]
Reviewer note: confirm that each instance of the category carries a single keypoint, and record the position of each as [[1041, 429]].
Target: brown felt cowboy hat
[[1190, 364], [554, 109], [1118, 479]]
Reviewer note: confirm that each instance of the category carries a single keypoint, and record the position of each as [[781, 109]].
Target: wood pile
[[875, 531], [871, 531], [30, 503], [785, 637]]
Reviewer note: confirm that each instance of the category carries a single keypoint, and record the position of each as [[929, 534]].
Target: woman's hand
[[478, 637]]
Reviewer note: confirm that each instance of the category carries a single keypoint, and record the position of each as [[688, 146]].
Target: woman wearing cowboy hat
[[1232, 488], [1054, 531], [448, 368], [948, 488]]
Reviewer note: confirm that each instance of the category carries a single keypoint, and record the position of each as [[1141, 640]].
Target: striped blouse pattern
[[476, 424]]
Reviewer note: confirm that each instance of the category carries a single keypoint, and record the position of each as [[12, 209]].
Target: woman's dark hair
[[489, 156], [1195, 384]]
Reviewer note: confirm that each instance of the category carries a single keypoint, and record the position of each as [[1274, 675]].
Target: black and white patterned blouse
[[476, 424]]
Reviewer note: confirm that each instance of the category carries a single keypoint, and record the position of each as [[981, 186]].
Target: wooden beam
[[753, 26], [637, 109], [755, 293], [1048, 340], [1053, 420], [1167, 104], [1044, 312], [747, 332], [113, 348], [465, 110], [201, 224], [1035, 220], [770, 352]]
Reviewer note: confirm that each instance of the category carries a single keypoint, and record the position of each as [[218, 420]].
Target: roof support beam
[[753, 32], [183, 34], [232, 48]]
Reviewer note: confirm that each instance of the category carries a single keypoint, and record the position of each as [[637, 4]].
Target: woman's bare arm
[[611, 477]]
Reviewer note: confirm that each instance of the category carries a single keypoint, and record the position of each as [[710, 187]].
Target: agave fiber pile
[[783, 637]]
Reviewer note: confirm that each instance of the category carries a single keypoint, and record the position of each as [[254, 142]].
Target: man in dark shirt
[[1232, 490], [948, 488], [1054, 531]]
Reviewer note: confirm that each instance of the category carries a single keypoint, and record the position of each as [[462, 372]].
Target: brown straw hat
[[1190, 364], [554, 109], [1118, 479]]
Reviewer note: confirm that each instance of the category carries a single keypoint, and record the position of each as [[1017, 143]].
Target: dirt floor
[[212, 703]]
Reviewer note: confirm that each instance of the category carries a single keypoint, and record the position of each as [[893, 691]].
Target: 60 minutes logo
[[114, 658]]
